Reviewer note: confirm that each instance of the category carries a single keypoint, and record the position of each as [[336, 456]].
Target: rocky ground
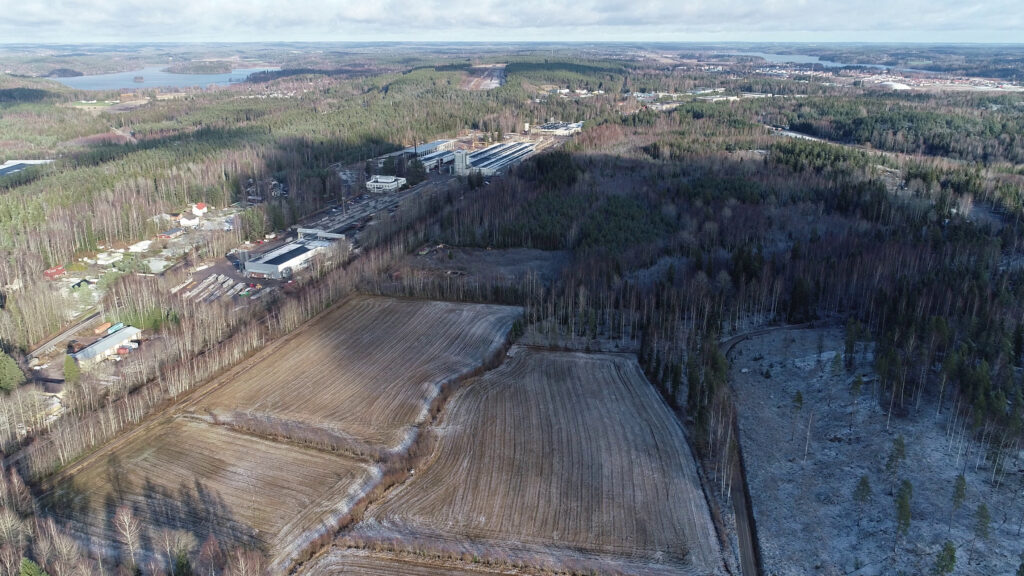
[[804, 463]]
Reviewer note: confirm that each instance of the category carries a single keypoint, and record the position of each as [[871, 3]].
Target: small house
[[172, 233]]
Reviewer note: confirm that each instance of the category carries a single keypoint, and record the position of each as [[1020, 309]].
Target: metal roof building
[[435, 160], [493, 158], [284, 261], [106, 346], [12, 166], [431, 147], [561, 128]]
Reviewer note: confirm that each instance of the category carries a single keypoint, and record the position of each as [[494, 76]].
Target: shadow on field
[[192, 507]]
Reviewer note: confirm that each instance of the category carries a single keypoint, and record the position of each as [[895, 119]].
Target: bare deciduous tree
[[245, 562], [129, 532]]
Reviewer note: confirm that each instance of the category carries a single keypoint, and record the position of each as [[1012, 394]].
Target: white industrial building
[[492, 159], [431, 147], [12, 166], [435, 160], [318, 234], [561, 128], [107, 346], [420, 150], [384, 183], [283, 262]]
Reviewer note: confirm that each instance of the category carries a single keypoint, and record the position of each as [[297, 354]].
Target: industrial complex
[[492, 159]]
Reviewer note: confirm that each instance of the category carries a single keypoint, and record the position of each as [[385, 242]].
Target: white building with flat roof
[[384, 183], [285, 261]]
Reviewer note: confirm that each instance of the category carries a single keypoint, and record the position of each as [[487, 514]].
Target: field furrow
[[187, 475], [556, 460], [363, 377]]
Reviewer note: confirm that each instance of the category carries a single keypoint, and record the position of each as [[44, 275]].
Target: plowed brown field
[[358, 381], [362, 377], [556, 460], [205, 479]]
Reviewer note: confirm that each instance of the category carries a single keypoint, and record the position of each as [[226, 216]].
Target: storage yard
[[556, 460]]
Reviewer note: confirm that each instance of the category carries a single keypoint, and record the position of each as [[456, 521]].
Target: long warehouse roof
[[289, 255], [106, 343], [505, 157]]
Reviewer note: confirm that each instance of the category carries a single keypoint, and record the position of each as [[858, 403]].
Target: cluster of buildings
[[937, 81], [422, 151], [487, 161], [192, 219], [579, 93], [282, 263], [254, 191], [560, 128]]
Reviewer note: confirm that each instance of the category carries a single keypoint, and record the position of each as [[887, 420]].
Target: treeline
[[979, 130]]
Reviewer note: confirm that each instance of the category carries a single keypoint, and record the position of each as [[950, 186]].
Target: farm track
[[438, 343], [363, 563], [555, 460]]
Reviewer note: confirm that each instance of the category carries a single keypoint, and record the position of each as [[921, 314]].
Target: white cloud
[[543, 20]]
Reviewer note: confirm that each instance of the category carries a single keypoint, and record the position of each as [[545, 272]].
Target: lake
[[155, 77], [800, 59]]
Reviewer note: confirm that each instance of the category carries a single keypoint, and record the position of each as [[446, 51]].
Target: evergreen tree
[[945, 562], [861, 495], [415, 172], [30, 568], [72, 372], [903, 497], [10, 374], [982, 522], [959, 493], [896, 456]]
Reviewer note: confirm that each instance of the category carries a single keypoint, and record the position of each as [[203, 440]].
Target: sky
[[934, 21]]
